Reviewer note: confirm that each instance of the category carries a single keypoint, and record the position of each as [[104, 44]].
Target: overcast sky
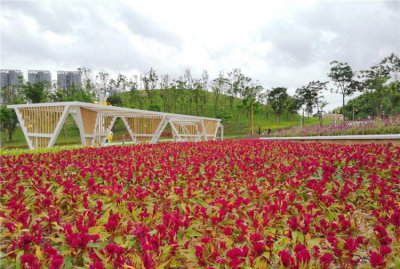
[[279, 43]]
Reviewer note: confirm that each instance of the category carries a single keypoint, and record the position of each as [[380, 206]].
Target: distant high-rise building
[[9, 77], [39, 75], [65, 79]]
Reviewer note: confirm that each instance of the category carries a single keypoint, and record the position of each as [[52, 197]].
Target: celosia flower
[[326, 260], [286, 259], [385, 250], [30, 261], [112, 222], [377, 260], [302, 254], [243, 198], [56, 261]]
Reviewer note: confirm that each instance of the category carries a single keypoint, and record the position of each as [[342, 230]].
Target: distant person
[[269, 132], [109, 137]]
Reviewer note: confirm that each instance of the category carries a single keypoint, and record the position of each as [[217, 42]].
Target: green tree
[[8, 119], [238, 82], [189, 83], [251, 92], [197, 89], [203, 94], [293, 104], [120, 84], [165, 93], [101, 88], [87, 81], [218, 87], [115, 99], [309, 97], [379, 84], [174, 96], [136, 97], [150, 81], [277, 98], [342, 77], [73, 93], [224, 114], [35, 92]]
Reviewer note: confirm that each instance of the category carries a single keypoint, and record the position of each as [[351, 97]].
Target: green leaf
[[94, 245], [174, 264], [104, 218], [298, 237], [281, 243], [68, 262], [118, 240], [58, 240], [200, 202], [95, 230], [193, 233], [313, 242], [18, 259], [161, 266], [99, 254], [165, 252], [38, 252], [294, 237]]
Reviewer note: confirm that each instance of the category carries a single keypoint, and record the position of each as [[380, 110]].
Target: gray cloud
[[357, 32], [55, 16], [393, 4], [289, 49], [138, 24]]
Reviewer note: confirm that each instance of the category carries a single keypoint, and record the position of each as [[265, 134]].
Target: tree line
[[190, 95]]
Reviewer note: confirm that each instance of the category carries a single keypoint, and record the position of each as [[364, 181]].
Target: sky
[[279, 43]]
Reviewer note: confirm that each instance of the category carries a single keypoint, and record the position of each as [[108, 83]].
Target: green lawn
[[69, 135]]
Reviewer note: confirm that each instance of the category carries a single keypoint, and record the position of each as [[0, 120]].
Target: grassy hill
[[235, 117], [235, 120]]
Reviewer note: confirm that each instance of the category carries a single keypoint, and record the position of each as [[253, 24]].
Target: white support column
[[133, 136], [40, 135], [95, 132], [216, 131], [222, 131], [23, 127], [185, 135], [78, 121], [161, 126], [203, 130], [185, 130], [60, 124], [109, 130], [199, 134], [175, 131]]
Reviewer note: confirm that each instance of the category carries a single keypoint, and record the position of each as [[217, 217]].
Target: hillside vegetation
[[235, 117], [235, 120], [383, 101]]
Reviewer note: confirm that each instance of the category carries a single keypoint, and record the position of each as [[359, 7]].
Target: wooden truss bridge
[[41, 123]]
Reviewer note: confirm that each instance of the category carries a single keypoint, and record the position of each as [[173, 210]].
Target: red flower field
[[234, 204]]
